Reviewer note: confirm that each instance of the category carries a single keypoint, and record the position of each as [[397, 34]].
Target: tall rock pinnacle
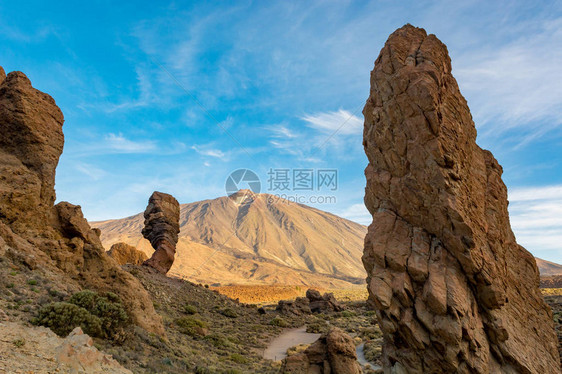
[[55, 238], [453, 290], [161, 229]]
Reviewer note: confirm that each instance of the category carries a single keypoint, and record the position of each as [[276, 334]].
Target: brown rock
[[127, 254], [161, 229], [322, 303], [41, 351], [37, 234], [333, 353], [453, 290], [31, 141]]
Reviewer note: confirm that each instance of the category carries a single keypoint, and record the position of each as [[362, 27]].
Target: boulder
[[161, 229], [124, 253], [333, 353], [322, 303], [453, 290]]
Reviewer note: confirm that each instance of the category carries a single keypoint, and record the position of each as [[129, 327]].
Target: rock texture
[[38, 350], [333, 353], [126, 254], [56, 240], [453, 290], [161, 229], [314, 302]]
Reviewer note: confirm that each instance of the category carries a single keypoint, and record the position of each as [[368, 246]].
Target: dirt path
[[277, 349]]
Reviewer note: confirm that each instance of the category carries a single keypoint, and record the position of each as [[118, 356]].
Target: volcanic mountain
[[260, 239]]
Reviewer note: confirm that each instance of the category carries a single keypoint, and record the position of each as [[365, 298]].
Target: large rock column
[[453, 290], [161, 229]]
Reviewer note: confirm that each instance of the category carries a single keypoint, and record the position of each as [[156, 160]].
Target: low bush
[[191, 326], [63, 317], [280, 322], [229, 312], [190, 309], [98, 315]]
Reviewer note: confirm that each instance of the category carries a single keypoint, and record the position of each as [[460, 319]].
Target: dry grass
[[551, 291]]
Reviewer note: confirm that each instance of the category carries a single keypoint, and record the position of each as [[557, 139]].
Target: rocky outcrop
[[124, 253], [55, 239], [454, 292], [322, 303], [333, 353], [314, 302], [161, 229], [31, 142], [38, 350]]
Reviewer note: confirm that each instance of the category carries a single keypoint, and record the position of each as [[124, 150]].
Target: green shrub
[[190, 309], [32, 282], [99, 315], [63, 317], [348, 314], [229, 312], [238, 358], [278, 321], [107, 307], [219, 341], [191, 326]]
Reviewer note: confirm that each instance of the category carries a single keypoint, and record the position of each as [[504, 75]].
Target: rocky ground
[[206, 332]]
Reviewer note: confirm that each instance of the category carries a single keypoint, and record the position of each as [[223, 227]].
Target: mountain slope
[[547, 268], [264, 241]]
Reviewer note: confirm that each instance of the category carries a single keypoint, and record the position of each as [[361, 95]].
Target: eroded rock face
[[333, 353], [161, 229], [31, 142], [453, 290], [33, 231], [124, 253]]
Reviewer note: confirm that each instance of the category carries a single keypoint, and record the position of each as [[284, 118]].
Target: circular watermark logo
[[241, 185]]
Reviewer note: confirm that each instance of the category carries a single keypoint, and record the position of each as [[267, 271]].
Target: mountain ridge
[[259, 239], [227, 241]]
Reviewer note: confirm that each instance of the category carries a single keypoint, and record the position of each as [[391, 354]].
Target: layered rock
[[124, 253], [333, 353], [54, 239], [161, 229], [454, 292]]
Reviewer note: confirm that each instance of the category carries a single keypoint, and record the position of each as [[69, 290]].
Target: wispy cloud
[[206, 151], [342, 121], [117, 143], [516, 84], [536, 219], [357, 213]]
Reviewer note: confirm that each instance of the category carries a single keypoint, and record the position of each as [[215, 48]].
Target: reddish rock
[[124, 253], [454, 292], [161, 229]]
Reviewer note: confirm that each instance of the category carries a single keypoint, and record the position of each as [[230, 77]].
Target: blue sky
[[174, 96]]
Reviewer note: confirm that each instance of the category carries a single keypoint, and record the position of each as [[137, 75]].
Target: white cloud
[[516, 84], [341, 121], [205, 151], [357, 213], [536, 219], [90, 170], [119, 144]]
